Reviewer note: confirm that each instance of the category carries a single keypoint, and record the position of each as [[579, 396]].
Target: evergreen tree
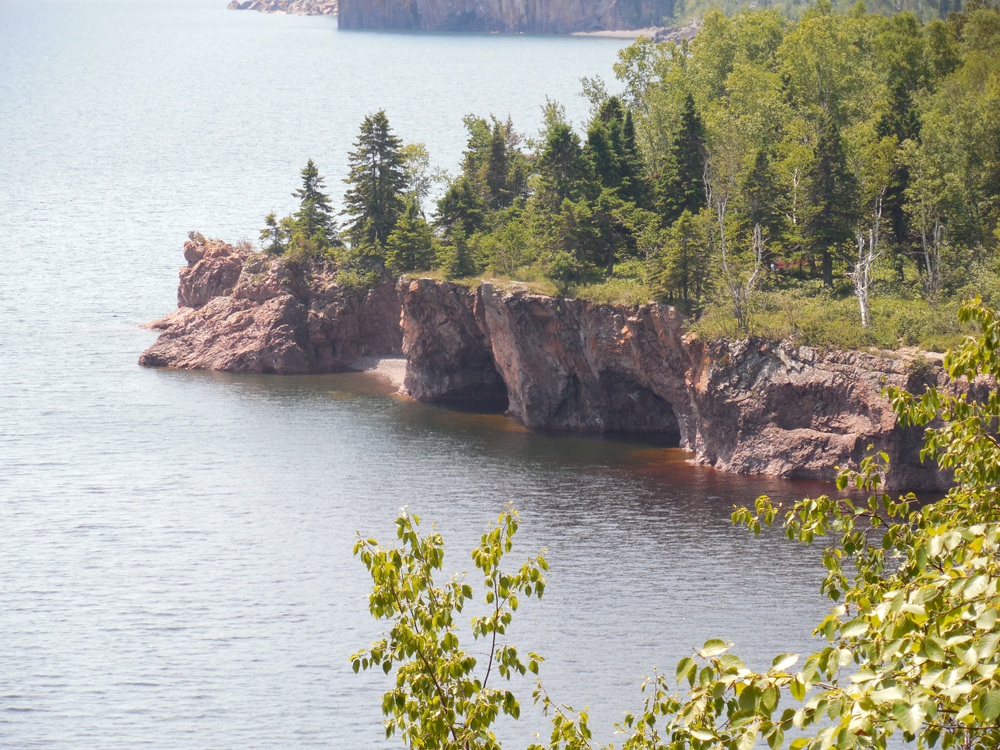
[[411, 245], [496, 171], [678, 271], [633, 184], [605, 143], [831, 200], [613, 153], [454, 258], [378, 183], [564, 173], [315, 215], [762, 198], [682, 187], [272, 236], [461, 208], [902, 121]]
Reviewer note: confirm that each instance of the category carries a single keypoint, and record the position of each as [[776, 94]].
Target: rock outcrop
[[524, 16], [292, 7], [447, 346], [242, 312], [741, 406], [748, 407]]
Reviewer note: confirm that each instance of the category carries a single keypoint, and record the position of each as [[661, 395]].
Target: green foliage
[[740, 169], [378, 182], [831, 198], [442, 697], [272, 236], [410, 246], [315, 216]]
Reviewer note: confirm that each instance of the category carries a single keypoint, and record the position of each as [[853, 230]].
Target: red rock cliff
[[745, 407], [741, 406], [238, 311]]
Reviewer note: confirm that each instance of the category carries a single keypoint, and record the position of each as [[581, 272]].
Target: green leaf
[[933, 649], [987, 619], [853, 628], [747, 740], [909, 717], [713, 647], [798, 688], [989, 703], [782, 662], [684, 667]]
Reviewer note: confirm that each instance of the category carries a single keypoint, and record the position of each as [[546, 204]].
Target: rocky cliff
[[741, 406], [524, 16], [744, 406], [238, 311], [292, 7]]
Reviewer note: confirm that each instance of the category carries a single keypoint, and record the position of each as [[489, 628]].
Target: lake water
[[175, 547]]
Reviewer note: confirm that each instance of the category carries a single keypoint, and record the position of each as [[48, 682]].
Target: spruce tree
[[633, 184], [378, 183], [410, 246], [564, 172], [831, 200], [762, 198], [496, 171], [461, 208], [682, 186], [315, 215], [605, 143], [272, 236]]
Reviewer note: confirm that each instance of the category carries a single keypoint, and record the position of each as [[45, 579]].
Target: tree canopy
[[838, 169]]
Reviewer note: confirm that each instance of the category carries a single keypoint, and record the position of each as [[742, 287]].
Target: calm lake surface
[[175, 548]]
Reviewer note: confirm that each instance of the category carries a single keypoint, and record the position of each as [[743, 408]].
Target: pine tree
[[461, 208], [496, 171], [831, 200], [378, 183], [410, 246], [272, 236], [682, 187], [315, 215], [563, 171]]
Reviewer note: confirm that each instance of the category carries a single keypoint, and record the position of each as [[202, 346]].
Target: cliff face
[[292, 7], [526, 16], [241, 312], [743, 406]]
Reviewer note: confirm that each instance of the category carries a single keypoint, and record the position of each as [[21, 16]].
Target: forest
[[835, 179]]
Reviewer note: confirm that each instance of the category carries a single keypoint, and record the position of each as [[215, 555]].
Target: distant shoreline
[[650, 32]]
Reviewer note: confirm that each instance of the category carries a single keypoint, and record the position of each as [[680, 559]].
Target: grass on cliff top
[[528, 279], [815, 316]]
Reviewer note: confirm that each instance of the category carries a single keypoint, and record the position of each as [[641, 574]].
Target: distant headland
[[638, 18], [292, 7]]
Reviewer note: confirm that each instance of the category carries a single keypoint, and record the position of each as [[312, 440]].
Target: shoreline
[[392, 369], [650, 32]]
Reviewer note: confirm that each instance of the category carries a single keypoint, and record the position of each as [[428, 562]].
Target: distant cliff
[[511, 16], [292, 7], [524, 16], [748, 407]]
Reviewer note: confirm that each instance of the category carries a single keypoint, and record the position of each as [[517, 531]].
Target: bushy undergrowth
[[810, 314]]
